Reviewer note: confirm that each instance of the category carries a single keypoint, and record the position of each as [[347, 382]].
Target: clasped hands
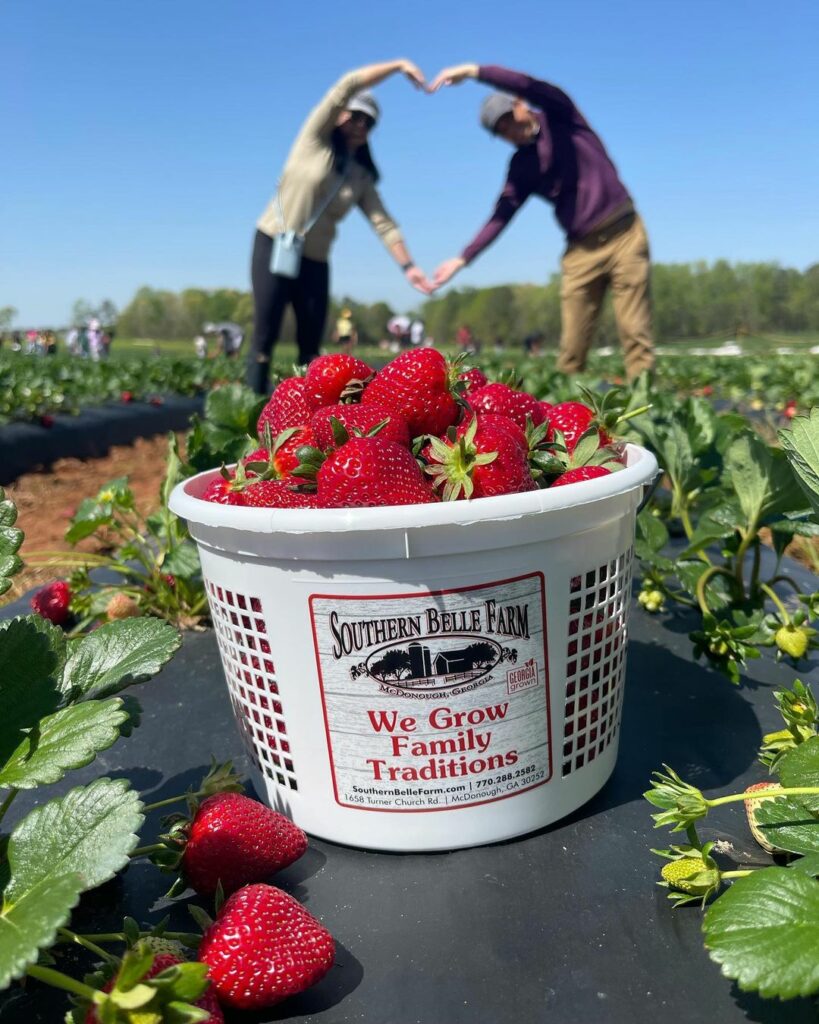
[[449, 76]]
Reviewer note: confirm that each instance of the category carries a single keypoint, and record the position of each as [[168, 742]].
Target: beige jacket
[[309, 175]]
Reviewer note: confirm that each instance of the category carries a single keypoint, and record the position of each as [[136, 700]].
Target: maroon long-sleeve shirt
[[566, 164]]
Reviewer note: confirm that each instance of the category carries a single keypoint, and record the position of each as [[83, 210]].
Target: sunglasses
[[359, 117]]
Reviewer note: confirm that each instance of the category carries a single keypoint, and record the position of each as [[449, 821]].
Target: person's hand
[[418, 279], [413, 73], [447, 270], [453, 76]]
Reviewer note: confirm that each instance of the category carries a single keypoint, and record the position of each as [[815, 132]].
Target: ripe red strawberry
[[419, 385], [52, 602], [263, 947], [575, 476], [284, 451], [46, 420], [474, 379], [328, 376], [500, 422], [572, 419], [288, 406], [235, 840], [505, 401], [126, 396], [224, 492], [367, 471], [162, 961], [277, 494], [487, 459], [359, 419]]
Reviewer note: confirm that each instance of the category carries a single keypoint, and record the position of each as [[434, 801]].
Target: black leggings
[[271, 294]]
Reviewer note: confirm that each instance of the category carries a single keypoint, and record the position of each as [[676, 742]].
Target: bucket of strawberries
[[419, 583]]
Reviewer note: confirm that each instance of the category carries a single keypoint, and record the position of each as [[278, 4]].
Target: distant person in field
[[560, 159], [345, 335], [329, 160]]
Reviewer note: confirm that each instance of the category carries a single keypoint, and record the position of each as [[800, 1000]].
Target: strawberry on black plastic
[[229, 841], [263, 947]]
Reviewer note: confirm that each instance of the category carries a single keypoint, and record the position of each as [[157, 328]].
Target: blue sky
[[142, 140]]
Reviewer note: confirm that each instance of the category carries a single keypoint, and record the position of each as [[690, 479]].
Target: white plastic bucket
[[431, 676]]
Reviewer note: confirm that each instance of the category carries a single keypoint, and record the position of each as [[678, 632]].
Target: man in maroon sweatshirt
[[559, 158]]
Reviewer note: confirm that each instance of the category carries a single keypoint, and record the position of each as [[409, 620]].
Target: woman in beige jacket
[[330, 150]]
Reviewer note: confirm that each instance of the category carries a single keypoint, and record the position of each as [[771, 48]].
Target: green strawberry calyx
[[453, 461]]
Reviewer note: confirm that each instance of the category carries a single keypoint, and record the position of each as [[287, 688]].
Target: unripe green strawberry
[[792, 640], [690, 875]]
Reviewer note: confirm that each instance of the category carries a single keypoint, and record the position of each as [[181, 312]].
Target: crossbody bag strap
[[322, 205]]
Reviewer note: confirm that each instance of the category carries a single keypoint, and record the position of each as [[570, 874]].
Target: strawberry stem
[[783, 611], [144, 851], [714, 570], [737, 874], [59, 980], [166, 803], [83, 940], [774, 791]]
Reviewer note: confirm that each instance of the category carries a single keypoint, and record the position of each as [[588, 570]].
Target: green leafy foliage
[[801, 444], [11, 537], [153, 556], [764, 932], [70, 738], [800, 767], [228, 430], [32, 670], [118, 655], [88, 832], [788, 825], [29, 922]]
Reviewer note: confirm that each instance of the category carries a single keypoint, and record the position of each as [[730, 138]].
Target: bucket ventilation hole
[[595, 660], [251, 676]]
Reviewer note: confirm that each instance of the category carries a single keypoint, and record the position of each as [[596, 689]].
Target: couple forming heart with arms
[[557, 156]]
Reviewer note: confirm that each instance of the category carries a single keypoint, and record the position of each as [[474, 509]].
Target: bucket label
[[437, 700]]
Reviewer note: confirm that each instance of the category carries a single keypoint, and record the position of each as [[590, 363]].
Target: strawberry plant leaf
[[11, 537], [761, 477], [70, 738], [806, 865], [800, 767], [801, 444], [119, 654], [89, 833], [235, 408], [29, 922], [764, 932], [31, 658], [652, 535], [183, 561], [788, 825], [714, 525], [90, 515]]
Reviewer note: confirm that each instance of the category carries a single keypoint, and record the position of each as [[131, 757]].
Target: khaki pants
[[588, 268]]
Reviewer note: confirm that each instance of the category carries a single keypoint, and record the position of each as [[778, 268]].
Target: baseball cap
[[494, 107], [366, 103]]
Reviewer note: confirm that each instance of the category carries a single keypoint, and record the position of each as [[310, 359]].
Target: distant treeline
[[691, 300]]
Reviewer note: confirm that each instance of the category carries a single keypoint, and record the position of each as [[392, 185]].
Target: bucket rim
[[640, 470]]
